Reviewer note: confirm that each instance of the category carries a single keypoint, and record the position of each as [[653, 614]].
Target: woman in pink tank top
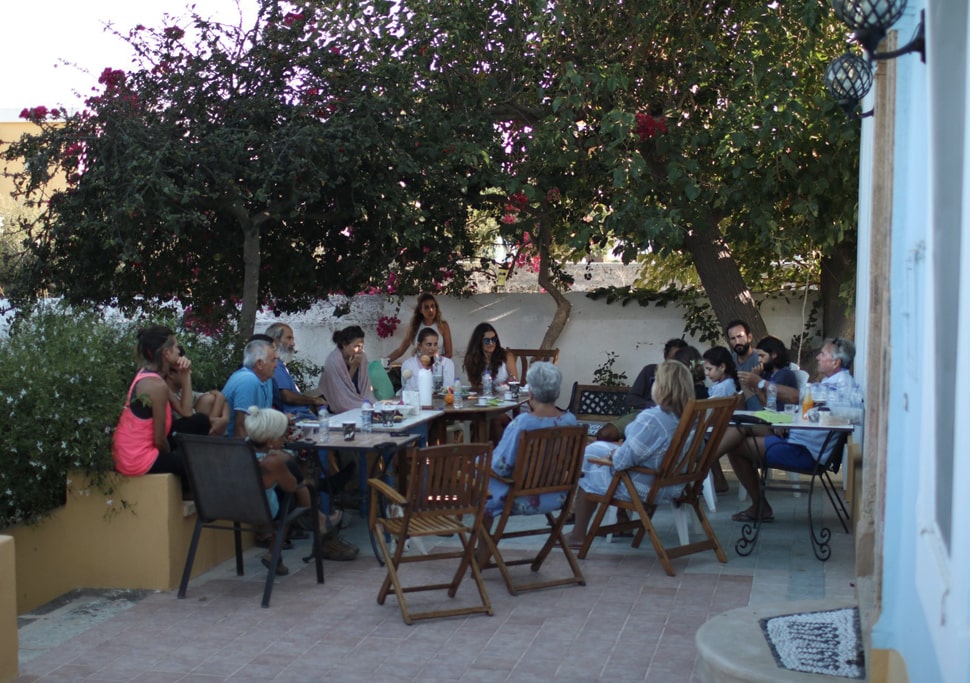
[[140, 443]]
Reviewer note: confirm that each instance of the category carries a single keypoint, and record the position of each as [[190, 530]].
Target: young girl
[[191, 406], [720, 369], [426, 314], [266, 429]]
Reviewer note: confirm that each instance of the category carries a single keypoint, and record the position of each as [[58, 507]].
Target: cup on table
[[514, 389], [350, 428], [385, 362], [794, 410], [483, 400], [387, 416]]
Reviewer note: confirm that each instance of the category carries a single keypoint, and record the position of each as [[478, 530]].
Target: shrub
[[64, 377]]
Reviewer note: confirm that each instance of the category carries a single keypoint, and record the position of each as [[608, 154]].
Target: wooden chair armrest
[[644, 470], [504, 480], [385, 489], [600, 461]]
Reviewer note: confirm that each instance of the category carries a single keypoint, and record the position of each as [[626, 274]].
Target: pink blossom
[[508, 219], [112, 78], [173, 32], [292, 17], [649, 126]]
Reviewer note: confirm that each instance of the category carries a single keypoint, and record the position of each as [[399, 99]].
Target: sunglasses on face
[[489, 340]]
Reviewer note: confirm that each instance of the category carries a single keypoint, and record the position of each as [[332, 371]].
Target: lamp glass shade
[[869, 15], [848, 80]]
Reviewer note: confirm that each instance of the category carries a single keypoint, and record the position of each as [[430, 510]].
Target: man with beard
[[295, 403], [739, 337]]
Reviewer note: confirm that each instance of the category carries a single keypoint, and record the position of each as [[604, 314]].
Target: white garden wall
[[636, 333]]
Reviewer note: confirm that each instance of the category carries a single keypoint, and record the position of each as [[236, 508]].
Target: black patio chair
[[227, 484]]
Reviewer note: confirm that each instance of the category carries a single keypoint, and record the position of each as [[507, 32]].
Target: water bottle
[[366, 417], [487, 385], [437, 373], [324, 416], [457, 400], [771, 403]]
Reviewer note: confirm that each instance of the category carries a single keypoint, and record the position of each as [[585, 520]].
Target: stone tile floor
[[631, 622]]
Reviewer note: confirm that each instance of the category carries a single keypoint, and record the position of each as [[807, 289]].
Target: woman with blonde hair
[[647, 440], [266, 428]]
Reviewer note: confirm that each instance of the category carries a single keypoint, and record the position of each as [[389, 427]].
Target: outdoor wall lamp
[[871, 19], [848, 78]]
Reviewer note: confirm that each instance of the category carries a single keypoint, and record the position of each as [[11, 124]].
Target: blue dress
[[503, 464]]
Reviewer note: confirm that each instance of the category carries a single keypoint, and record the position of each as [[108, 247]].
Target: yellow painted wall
[[887, 666], [94, 541], [8, 610]]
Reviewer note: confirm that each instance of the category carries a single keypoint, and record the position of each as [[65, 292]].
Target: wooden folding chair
[[228, 486], [445, 485], [526, 356], [684, 468], [548, 462]]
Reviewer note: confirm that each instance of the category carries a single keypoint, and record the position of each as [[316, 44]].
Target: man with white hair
[[250, 385], [295, 402]]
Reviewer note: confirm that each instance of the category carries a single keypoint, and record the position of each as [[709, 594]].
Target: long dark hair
[[417, 319], [719, 355], [475, 357], [774, 345]]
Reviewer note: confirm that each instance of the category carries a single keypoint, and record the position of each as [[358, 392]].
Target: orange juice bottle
[[807, 401]]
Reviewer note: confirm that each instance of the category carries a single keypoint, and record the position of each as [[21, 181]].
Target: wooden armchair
[[446, 486], [526, 356], [684, 467], [595, 405], [227, 485], [548, 463]]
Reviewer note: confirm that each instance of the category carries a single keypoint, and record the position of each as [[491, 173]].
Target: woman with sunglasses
[[485, 351]]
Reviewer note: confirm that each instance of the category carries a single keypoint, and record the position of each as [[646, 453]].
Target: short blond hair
[[673, 387], [263, 424]]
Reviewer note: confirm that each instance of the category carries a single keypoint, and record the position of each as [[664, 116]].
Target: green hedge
[[63, 378]]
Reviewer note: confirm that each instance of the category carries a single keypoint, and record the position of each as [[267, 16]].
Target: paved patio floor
[[631, 622]]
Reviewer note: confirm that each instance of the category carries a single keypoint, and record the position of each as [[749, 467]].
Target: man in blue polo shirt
[[801, 448], [250, 385], [295, 402]]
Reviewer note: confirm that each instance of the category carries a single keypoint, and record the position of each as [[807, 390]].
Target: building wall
[[925, 602]]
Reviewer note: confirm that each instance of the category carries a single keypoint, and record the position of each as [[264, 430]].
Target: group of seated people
[[261, 398]]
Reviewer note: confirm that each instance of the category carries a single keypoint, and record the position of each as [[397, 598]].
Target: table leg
[[751, 530]]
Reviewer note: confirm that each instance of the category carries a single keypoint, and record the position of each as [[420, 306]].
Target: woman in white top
[[424, 356], [426, 314]]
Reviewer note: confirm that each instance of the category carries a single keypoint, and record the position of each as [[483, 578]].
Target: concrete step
[[732, 648]]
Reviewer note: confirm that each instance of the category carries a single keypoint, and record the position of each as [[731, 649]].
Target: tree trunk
[[730, 297], [250, 294], [838, 267], [563, 307]]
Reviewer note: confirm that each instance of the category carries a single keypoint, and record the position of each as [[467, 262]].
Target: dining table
[[760, 423], [479, 415]]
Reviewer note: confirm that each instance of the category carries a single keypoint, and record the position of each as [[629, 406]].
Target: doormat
[[828, 642]]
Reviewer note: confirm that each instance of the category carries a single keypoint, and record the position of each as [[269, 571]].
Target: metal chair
[[227, 484], [445, 486]]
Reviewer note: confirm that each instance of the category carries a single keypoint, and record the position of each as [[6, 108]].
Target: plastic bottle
[[487, 385], [437, 373], [771, 402], [807, 402], [457, 402], [366, 417], [324, 416]]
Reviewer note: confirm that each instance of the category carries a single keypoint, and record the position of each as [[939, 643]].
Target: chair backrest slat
[[526, 356], [548, 460], [694, 446], [450, 478]]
